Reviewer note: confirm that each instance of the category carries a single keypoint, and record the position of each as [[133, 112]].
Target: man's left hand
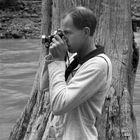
[[58, 48]]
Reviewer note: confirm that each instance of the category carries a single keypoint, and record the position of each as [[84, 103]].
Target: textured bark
[[32, 123], [114, 32]]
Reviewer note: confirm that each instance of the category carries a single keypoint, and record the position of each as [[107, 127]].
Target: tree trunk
[[114, 32]]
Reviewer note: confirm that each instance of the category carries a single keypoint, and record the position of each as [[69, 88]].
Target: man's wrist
[[57, 64]]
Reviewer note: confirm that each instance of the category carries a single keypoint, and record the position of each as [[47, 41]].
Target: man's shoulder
[[104, 58], [100, 62], [99, 58]]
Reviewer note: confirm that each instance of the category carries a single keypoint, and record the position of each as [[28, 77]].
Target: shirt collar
[[91, 54]]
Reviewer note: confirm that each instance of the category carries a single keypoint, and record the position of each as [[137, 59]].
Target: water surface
[[18, 66]]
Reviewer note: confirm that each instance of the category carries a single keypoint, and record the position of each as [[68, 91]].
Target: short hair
[[83, 17]]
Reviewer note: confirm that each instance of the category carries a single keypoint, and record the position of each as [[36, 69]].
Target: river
[[18, 66]]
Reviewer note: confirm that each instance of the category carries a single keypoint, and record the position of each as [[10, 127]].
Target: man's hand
[[58, 48]]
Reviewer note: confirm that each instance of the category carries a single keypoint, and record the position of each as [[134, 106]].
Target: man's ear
[[86, 31]]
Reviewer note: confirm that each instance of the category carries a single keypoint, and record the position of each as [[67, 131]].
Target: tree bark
[[114, 32]]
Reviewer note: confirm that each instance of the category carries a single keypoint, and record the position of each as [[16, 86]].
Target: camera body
[[49, 38]]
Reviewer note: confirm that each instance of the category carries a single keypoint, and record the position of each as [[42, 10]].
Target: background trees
[[8, 2]]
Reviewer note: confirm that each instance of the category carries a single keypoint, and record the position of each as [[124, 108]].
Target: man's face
[[75, 36]]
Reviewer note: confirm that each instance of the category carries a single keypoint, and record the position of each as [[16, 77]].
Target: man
[[77, 100]]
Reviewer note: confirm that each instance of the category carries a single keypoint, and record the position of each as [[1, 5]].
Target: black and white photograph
[[69, 70]]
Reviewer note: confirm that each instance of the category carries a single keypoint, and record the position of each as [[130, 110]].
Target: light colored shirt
[[77, 102]]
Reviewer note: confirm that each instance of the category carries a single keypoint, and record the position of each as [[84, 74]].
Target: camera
[[49, 38]]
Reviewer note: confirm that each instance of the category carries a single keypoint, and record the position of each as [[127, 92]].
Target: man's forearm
[[44, 77]]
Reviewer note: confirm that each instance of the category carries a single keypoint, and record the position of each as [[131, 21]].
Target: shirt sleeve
[[86, 82]]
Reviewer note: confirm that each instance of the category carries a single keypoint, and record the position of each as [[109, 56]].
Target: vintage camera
[[48, 39]]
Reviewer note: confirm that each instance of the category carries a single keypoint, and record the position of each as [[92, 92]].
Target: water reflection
[[18, 66]]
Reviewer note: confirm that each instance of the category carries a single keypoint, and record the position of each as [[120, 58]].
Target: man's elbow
[[57, 111], [58, 106]]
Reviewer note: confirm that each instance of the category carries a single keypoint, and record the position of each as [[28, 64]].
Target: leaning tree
[[114, 32]]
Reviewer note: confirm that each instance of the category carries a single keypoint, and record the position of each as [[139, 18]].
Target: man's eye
[[66, 32]]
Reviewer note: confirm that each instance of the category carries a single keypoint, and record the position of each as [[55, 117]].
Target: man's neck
[[87, 48]]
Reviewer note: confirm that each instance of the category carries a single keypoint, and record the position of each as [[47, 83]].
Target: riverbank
[[21, 21]]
